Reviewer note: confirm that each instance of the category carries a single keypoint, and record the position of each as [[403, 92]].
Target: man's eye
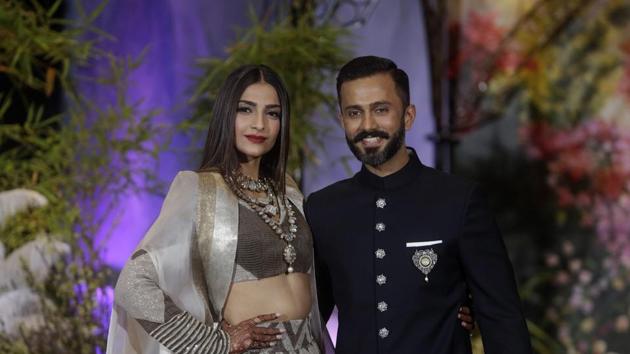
[[353, 113], [382, 110], [244, 109]]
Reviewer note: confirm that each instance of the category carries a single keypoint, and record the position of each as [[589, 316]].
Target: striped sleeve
[[177, 330], [185, 334]]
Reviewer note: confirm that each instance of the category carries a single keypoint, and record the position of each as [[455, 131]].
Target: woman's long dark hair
[[220, 151]]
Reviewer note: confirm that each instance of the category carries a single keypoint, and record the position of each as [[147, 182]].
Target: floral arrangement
[[589, 306], [576, 128], [563, 70], [481, 58], [589, 174], [589, 171], [483, 49]]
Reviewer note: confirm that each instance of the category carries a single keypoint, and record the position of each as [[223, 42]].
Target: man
[[399, 246]]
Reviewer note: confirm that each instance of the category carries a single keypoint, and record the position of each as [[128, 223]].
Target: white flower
[[585, 277], [568, 248], [599, 347], [622, 323]]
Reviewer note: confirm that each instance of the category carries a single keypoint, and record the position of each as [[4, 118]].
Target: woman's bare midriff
[[288, 295]]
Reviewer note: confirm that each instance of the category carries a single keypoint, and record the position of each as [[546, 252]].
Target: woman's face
[[257, 120]]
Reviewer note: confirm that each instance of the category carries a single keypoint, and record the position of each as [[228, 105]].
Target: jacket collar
[[398, 179]]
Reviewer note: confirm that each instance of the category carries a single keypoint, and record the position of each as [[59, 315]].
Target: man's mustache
[[370, 134]]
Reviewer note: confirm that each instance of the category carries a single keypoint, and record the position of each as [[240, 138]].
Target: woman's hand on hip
[[247, 335]]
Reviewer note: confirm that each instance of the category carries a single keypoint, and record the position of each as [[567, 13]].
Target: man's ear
[[410, 116], [340, 118]]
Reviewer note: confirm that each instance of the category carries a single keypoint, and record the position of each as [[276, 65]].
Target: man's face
[[374, 119]]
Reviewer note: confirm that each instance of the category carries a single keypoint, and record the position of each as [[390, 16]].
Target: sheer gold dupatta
[[189, 245], [192, 245]]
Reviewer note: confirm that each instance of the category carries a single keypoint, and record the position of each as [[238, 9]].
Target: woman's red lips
[[256, 139]]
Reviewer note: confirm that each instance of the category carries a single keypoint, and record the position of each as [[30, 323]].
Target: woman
[[228, 264]]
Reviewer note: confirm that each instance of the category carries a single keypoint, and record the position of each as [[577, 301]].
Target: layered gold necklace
[[269, 208]]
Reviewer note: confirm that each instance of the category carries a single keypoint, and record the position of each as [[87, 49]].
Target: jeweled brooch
[[425, 260]]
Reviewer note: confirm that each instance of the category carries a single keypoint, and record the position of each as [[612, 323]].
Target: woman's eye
[[244, 109], [275, 114]]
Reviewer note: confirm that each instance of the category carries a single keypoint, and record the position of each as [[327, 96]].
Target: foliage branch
[[305, 55], [67, 152]]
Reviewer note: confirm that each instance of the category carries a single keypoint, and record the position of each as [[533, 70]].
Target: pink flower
[[609, 182], [562, 278], [583, 346], [568, 248], [564, 334], [552, 259], [622, 323], [587, 306], [585, 277], [587, 220], [575, 265], [565, 198], [582, 199]]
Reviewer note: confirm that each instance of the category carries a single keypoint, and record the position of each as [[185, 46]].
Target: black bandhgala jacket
[[366, 230]]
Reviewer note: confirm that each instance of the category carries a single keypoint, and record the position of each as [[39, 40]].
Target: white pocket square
[[423, 243]]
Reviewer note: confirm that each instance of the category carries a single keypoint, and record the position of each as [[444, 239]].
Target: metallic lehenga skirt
[[297, 339]]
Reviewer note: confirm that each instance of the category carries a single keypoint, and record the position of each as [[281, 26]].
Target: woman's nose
[[259, 122]]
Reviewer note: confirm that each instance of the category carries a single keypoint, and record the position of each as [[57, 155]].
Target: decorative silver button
[[381, 279], [380, 253], [380, 227], [382, 306], [383, 332], [381, 203]]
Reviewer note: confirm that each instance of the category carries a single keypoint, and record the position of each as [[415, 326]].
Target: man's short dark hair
[[361, 67]]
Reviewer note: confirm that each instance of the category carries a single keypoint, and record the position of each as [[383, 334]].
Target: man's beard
[[372, 156]]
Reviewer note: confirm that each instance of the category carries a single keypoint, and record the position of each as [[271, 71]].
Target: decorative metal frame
[[345, 13]]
